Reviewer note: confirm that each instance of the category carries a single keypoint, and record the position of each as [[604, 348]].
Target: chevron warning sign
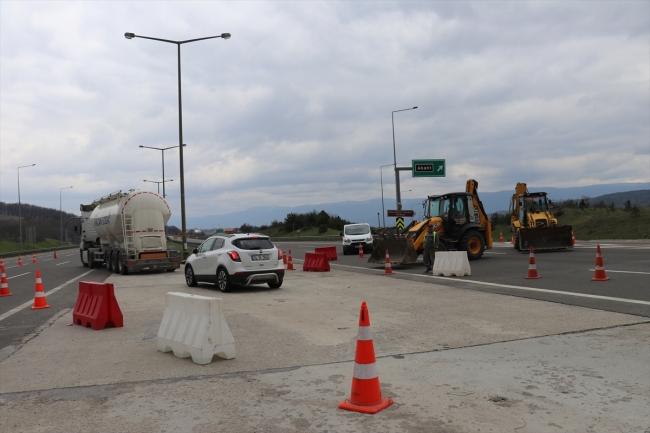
[[399, 223]]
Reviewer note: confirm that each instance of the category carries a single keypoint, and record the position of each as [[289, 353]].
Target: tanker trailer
[[126, 231]]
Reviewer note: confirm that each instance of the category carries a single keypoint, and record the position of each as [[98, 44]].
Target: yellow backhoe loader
[[457, 217], [533, 224]]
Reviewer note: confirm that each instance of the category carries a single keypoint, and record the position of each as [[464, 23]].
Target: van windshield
[[357, 229]]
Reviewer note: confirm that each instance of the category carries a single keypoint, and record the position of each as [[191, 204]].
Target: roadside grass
[[597, 223], [9, 246], [309, 231]]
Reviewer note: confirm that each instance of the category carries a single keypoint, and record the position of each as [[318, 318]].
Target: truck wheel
[[190, 279], [223, 280], [81, 256], [91, 260], [108, 259], [114, 262], [121, 269], [472, 242]]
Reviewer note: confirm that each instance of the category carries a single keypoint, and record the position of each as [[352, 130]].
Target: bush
[[322, 228]]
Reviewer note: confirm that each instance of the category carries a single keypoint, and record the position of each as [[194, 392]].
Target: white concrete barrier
[[195, 326], [450, 263]]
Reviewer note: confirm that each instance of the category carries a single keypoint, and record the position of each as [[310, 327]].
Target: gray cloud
[[296, 107]]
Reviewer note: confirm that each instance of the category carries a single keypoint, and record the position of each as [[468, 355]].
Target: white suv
[[241, 259], [355, 234]]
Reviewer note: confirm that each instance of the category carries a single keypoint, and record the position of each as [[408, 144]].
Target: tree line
[[298, 221], [46, 221]]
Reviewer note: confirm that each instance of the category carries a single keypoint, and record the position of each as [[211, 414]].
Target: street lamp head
[[141, 146], [129, 35], [225, 35]]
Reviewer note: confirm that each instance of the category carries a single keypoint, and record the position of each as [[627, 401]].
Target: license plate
[[258, 257]]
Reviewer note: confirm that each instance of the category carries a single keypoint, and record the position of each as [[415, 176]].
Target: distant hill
[[367, 210], [640, 198]]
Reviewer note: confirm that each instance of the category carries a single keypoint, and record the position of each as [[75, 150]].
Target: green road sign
[[428, 168], [399, 223]]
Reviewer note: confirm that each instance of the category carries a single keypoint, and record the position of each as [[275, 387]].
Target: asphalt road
[[565, 275], [60, 278]]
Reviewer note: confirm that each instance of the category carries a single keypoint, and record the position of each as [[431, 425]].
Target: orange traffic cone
[[284, 259], [39, 295], [4, 287], [501, 237], [512, 239], [599, 275], [54, 255], [2, 262], [532, 270], [573, 239], [33, 257], [290, 263], [388, 269], [20, 261], [361, 251], [366, 392]]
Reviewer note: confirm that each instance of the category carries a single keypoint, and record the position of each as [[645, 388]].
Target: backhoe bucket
[[401, 251], [548, 238]]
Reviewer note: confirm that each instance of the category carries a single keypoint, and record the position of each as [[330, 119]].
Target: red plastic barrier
[[97, 307], [330, 252], [316, 262]]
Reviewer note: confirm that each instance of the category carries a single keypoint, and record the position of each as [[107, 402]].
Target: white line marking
[[529, 289], [625, 272], [62, 263], [28, 303], [492, 252], [19, 275]]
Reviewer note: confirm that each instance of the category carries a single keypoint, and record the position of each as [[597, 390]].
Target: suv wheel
[[275, 285], [189, 276], [223, 280]]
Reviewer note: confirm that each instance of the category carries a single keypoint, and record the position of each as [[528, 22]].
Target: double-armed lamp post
[[180, 119]]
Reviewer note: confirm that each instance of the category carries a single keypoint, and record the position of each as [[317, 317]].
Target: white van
[[355, 234]]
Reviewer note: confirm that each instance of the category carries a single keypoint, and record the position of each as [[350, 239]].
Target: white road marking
[[62, 263], [624, 272], [506, 286], [492, 252], [54, 290], [19, 275]]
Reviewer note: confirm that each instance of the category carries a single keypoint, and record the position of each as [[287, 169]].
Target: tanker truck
[[126, 231]]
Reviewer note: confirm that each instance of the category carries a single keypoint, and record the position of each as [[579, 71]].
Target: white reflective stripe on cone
[[38, 280], [531, 266], [599, 268], [365, 371], [364, 334], [39, 295]]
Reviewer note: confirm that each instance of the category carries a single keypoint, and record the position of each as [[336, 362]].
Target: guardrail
[[38, 250], [307, 239]]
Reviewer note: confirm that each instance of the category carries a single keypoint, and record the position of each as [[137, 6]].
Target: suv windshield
[[358, 229], [253, 244]]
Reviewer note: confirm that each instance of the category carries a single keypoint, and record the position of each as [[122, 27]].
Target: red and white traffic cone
[[4, 286], [54, 255], [33, 257], [599, 274], [284, 259], [361, 251], [290, 263], [39, 295], [2, 262], [573, 239], [388, 269], [20, 260], [501, 240], [366, 392], [532, 269], [512, 239]]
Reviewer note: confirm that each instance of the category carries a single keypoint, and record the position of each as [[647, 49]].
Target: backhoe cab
[[458, 218]]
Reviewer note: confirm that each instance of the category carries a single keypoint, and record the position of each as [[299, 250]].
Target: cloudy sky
[[296, 107]]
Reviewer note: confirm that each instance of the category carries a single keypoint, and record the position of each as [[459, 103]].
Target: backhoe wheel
[[516, 241], [472, 242]]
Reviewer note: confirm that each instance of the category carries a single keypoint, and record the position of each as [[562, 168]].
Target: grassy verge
[[7, 246], [594, 224]]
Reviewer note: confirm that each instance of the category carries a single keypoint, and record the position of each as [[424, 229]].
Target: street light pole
[[20, 218], [180, 121], [159, 182], [61, 209], [381, 178], [399, 198], [163, 163]]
